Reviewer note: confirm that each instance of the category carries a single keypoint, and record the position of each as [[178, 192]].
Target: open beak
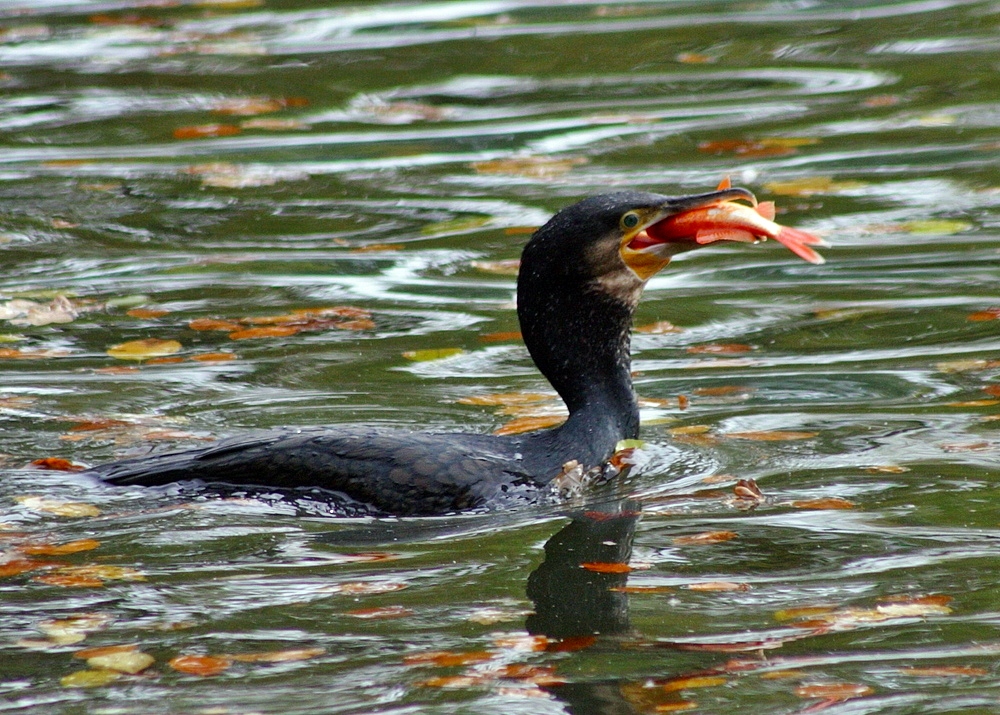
[[692, 221]]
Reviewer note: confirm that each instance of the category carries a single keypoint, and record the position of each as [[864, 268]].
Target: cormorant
[[580, 279]]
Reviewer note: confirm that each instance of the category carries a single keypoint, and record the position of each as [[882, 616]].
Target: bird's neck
[[580, 342]]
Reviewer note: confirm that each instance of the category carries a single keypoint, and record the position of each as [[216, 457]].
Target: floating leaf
[[689, 429], [606, 567], [70, 580], [533, 167], [213, 357], [89, 678], [823, 503], [147, 312], [984, 315], [767, 146], [809, 186], [506, 267], [448, 659], [279, 656], [247, 106], [104, 571], [530, 424], [381, 612], [941, 227], [202, 131], [364, 588], [266, 331], [718, 586], [504, 399], [794, 614], [455, 225], [707, 537], [771, 435], [945, 671], [104, 650], [432, 354], [973, 403], [272, 124], [720, 349], [694, 682], [214, 324], [833, 691], [452, 681], [203, 665], [56, 464], [501, 337], [642, 589], [58, 508], [887, 469], [660, 327], [15, 567], [144, 349], [129, 661], [694, 58], [71, 547]]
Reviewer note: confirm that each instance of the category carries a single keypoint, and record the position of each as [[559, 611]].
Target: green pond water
[[163, 162]]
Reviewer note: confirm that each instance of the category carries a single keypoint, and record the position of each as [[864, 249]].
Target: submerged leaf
[[56, 507], [203, 665]]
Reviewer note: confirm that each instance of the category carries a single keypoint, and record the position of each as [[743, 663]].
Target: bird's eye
[[630, 220]]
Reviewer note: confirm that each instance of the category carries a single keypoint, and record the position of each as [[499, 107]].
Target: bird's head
[[616, 242]]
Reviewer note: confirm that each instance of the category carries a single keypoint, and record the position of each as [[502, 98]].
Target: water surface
[[170, 162]]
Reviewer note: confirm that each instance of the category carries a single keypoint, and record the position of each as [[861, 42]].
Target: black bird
[[581, 276]]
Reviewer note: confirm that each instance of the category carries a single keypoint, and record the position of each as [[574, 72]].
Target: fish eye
[[630, 220]]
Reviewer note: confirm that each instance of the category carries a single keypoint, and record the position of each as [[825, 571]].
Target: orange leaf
[[570, 644], [146, 312], [213, 324], [203, 665], [57, 464], [984, 315], [501, 337], [660, 327], [771, 435], [104, 650], [279, 656], [679, 706], [447, 659], [165, 361], [71, 547], [603, 567], [992, 390], [19, 566], [823, 503], [213, 357], [381, 612], [202, 131], [945, 671], [973, 403], [530, 424], [267, 331], [833, 691], [69, 580], [695, 682], [707, 537], [505, 399]]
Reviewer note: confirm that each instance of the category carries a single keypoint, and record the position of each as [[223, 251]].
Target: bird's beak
[[681, 224]]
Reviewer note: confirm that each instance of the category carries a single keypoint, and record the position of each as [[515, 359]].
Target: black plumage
[[577, 290]]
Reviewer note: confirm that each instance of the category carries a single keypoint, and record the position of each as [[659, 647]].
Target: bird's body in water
[[581, 277]]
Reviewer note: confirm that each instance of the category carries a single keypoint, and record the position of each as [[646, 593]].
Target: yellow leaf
[[130, 662], [59, 508], [942, 227], [807, 186], [89, 678], [432, 354], [143, 349]]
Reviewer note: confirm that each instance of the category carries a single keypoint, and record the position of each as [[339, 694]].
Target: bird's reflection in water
[[575, 595], [574, 588]]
